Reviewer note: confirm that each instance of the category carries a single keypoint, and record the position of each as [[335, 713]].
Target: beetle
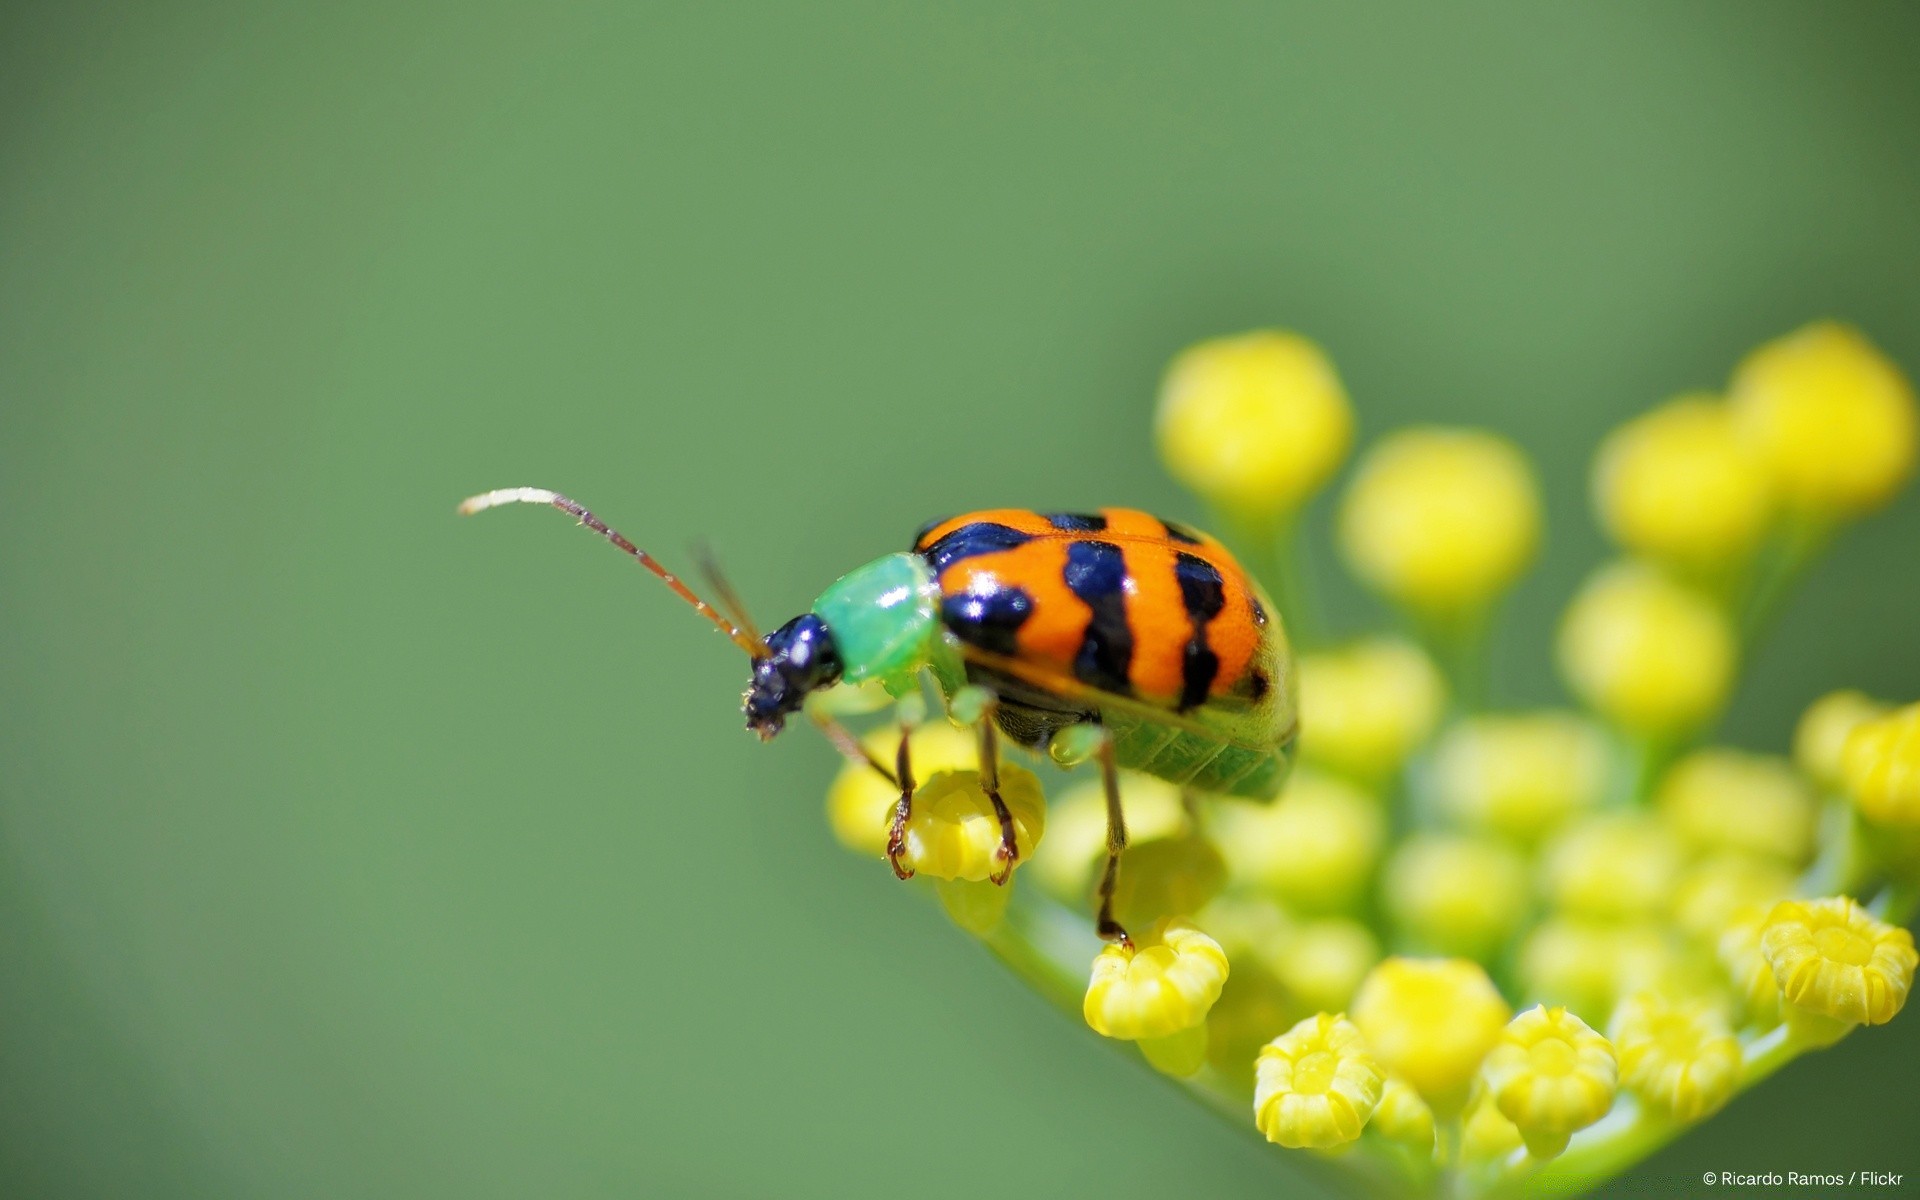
[[1114, 635]]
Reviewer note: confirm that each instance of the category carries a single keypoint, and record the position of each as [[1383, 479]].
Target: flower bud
[[1881, 767], [1830, 957], [1722, 799], [1820, 740], [1748, 970], [1403, 1117], [1372, 704], [1717, 890], [1520, 774], [1655, 657], [1431, 1021], [1076, 845], [1316, 1085], [1679, 485], [953, 832], [1588, 965], [1831, 415], [1254, 424], [1166, 981], [1314, 847], [860, 802], [1441, 520], [1678, 1056], [1456, 894], [1551, 1075], [1612, 866]]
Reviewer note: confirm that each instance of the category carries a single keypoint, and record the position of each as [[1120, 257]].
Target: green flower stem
[[1273, 551], [1799, 547], [1460, 646]]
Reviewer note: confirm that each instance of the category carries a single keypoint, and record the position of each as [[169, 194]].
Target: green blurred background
[[347, 849]]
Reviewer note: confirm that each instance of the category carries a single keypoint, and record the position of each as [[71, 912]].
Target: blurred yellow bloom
[[1441, 520], [1254, 424], [1881, 767], [953, 832], [1678, 1057], [1456, 893], [1402, 1116], [1830, 957], [1718, 889], [1613, 865], [1487, 1135], [1316, 1084], [1520, 774], [1680, 485], [1167, 877], [1588, 965], [1077, 830], [1431, 1021], [1551, 1075], [1322, 962], [1164, 983], [1652, 655], [1749, 971], [1820, 740], [860, 803], [1246, 924], [1722, 799], [1832, 416], [1372, 703], [1313, 848]]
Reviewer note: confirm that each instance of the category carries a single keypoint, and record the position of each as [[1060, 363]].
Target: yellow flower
[[1165, 982], [1652, 655], [1831, 958], [1551, 1075], [1077, 830], [1520, 774], [1748, 970], [1820, 740], [1680, 485], [1678, 1057], [1255, 424], [1431, 1021], [1716, 890], [1321, 962], [1613, 865], [1832, 417], [1588, 965], [1313, 848], [1371, 704], [1721, 799], [860, 803], [1316, 1085], [953, 832], [1881, 767], [1402, 1116], [1455, 893], [1441, 520]]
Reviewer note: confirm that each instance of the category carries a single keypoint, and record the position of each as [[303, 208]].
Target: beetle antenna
[[526, 495]]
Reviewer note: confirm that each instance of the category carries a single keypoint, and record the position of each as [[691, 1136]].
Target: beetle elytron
[[1136, 637]]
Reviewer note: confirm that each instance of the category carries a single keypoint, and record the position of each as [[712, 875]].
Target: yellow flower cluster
[[1466, 943]]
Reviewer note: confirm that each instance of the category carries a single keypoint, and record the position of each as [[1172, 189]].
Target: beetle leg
[[1009, 851], [1108, 928], [902, 808]]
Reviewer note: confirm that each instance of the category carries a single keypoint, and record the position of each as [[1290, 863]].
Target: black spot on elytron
[[1259, 610], [980, 537], [989, 620], [1077, 522], [1204, 594], [920, 535], [1096, 572], [1179, 532]]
